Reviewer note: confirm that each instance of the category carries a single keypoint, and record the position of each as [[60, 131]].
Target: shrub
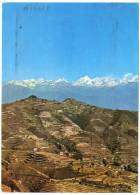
[[70, 146], [77, 155]]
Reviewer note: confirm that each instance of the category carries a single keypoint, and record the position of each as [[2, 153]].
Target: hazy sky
[[69, 40]]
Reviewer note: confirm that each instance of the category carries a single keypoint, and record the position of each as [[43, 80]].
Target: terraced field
[[69, 146]]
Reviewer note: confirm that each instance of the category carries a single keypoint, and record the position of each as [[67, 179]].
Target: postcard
[[70, 97]]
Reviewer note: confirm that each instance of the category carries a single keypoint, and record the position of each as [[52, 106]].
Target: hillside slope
[[69, 146]]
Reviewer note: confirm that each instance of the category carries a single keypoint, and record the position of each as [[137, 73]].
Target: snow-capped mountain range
[[32, 83], [83, 81], [108, 92]]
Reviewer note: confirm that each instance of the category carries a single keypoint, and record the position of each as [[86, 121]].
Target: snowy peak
[[33, 83], [85, 81], [107, 81]]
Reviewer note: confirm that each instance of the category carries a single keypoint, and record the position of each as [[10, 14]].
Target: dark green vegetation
[[50, 146]]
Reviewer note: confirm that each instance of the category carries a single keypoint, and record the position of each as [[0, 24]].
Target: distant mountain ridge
[[105, 92], [106, 81]]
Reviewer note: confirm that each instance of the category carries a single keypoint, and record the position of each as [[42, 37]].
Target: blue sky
[[69, 40]]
